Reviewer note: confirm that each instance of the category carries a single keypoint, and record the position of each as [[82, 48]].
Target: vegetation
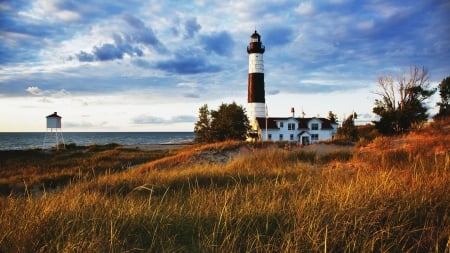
[[402, 104], [348, 131], [332, 117], [229, 122], [389, 195], [444, 104], [37, 170]]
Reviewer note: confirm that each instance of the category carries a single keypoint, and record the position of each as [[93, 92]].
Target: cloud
[[84, 124], [187, 64], [129, 43], [278, 36], [191, 95], [191, 27], [61, 93], [110, 51], [273, 92], [305, 8], [34, 90], [142, 63], [365, 25], [220, 43], [142, 34], [188, 85], [150, 119]]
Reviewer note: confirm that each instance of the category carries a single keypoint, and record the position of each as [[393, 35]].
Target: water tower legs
[[57, 136]]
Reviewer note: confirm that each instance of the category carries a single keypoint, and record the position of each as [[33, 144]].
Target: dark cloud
[[142, 34], [191, 27], [187, 64], [109, 51], [127, 43], [85, 57], [220, 43]]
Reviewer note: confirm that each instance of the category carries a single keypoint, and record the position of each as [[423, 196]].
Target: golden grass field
[[390, 194]]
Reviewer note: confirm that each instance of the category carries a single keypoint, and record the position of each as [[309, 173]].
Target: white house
[[291, 129]]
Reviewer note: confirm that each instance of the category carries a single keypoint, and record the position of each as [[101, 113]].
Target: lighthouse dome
[[255, 45], [255, 37]]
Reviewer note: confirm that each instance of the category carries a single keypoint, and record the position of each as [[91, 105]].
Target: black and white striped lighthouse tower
[[256, 94]]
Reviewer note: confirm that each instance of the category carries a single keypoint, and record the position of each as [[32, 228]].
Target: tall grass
[[268, 200], [36, 170]]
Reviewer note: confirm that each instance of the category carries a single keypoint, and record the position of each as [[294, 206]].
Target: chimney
[[293, 112]]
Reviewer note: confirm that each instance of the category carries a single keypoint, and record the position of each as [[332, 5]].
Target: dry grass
[[36, 170], [260, 200]]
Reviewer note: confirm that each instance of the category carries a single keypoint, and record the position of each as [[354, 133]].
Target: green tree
[[444, 104], [348, 130], [202, 127], [332, 117], [229, 122], [402, 104]]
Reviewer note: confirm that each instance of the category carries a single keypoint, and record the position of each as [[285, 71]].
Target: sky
[[150, 65]]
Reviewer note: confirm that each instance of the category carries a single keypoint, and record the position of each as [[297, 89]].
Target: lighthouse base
[[255, 110]]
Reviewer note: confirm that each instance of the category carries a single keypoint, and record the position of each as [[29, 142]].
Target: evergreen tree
[[202, 127], [444, 104], [348, 130], [229, 122], [332, 117]]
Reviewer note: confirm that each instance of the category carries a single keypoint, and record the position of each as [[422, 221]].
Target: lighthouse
[[256, 94]]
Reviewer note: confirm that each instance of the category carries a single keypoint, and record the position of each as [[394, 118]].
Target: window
[[314, 137], [292, 137], [281, 124], [291, 126], [314, 126], [269, 136], [281, 137]]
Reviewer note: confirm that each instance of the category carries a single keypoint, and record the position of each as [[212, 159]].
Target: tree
[[229, 122], [348, 130], [444, 105], [332, 117], [402, 104], [202, 127]]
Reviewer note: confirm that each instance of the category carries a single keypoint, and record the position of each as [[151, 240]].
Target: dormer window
[[315, 126]]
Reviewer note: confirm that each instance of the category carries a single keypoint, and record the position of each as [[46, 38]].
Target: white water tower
[[53, 135]]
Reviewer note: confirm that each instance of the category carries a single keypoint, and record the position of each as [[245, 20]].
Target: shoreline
[[145, 147]]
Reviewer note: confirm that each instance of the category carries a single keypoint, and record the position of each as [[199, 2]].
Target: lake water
[[14, 141]]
